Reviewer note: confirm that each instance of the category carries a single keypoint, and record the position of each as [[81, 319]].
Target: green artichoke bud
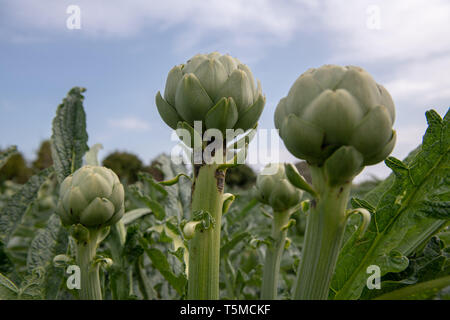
[[275, 189], [333, 107], [92, 196], [216, 89]]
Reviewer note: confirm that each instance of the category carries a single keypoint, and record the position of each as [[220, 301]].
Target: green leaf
[[135, 214], [159, 262], [297, 180], [421, 291], [5, 155], [11, 214], [48, 242], [175, 180], [145, 176], [178, 201], [8, 290], [435, 209], [229, 245], [432, 263], [397, 227], [69, 136], [169, 233], [154, 206], [6, 265], [360, 203]]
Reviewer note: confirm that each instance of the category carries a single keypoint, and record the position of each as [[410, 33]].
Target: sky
[[122, 51]]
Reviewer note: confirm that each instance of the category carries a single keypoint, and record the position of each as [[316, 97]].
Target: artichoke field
[[76, 231]]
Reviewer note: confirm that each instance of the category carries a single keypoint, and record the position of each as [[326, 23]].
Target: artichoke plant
[[339, 120], [274, 189], [91, 200], [92, 196], [333, 107], [216, 89], [219, 92]]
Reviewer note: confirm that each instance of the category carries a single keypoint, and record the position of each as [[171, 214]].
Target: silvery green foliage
[[69, 135], [275, 190], [333, 107], [216, 89], [409, 207], [92, 196]]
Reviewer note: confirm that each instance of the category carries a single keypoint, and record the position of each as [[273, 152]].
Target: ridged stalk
[[90, 278], [204, 247], [273, 255], [325, 226]]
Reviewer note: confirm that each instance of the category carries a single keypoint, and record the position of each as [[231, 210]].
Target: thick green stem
[[90, 278], [204, 248], [325, 227], [273, 255]]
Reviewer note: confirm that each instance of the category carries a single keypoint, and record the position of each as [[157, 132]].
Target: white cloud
[[412, 29], [129, 124], [235, 19], [409, 29], [409, 53], [423, 81]]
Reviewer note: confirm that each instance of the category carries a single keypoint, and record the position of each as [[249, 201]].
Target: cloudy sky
[[124, 49]]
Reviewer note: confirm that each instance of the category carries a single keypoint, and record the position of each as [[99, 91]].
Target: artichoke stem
[[90, 279], [204, 247], [325, 228], [273, 255]]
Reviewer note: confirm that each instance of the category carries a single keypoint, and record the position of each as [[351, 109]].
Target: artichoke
[[338, 112], [92, 196], [216, 89], [275, 189]]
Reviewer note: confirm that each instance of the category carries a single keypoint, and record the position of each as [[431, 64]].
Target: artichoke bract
[[92, 196], [275, 189], [338, 111], [216, 89]]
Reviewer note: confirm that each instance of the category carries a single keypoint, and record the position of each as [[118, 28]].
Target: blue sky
[[124, 50]]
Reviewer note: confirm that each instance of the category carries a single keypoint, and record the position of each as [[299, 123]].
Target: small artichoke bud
[[216, 89], [334, 106], [274, 189], [92, 196]]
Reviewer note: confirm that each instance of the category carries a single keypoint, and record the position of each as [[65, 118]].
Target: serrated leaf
[[397, 226], [168, 230], [48, 242], [435, 209], [432, 263], [69, 136], [14, 209], [159, 262]]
